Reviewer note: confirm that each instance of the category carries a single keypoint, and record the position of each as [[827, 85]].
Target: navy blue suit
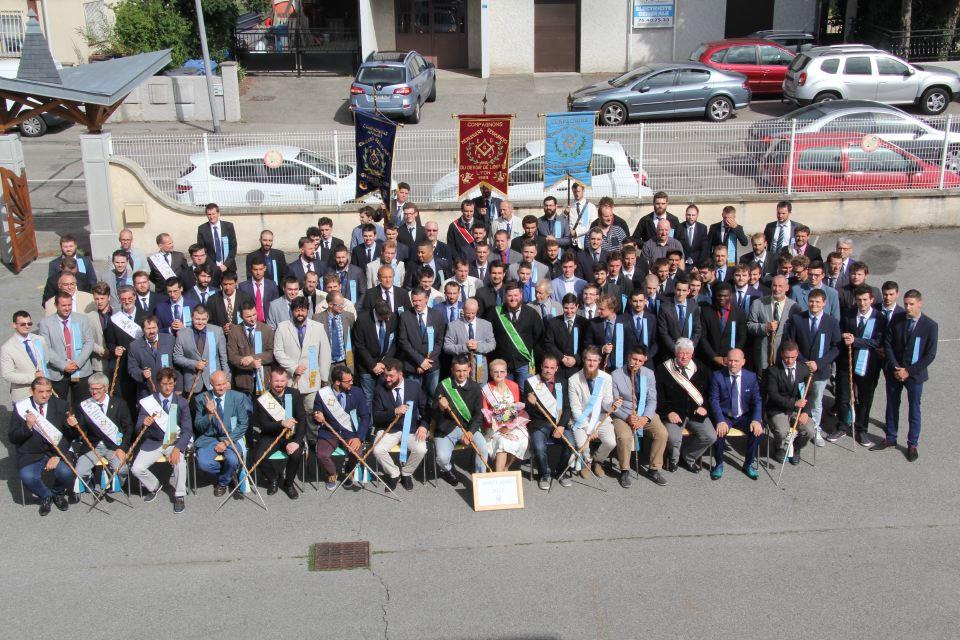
[[356, 401], [721, 409], [798, 330], [914, 351], [270, 292], [870, 347], [384, 405]]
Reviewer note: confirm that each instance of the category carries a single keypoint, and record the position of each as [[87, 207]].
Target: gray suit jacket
[[186, 356], [16, 366], [539, 271], [623, 388], [277, 312], [51, 330], [761, 312], [553, 307], [455, 341], [399, 273]]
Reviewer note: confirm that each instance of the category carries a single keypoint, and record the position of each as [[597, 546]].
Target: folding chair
[[280, 454], [241, 474], [738, 433], [78, 487]]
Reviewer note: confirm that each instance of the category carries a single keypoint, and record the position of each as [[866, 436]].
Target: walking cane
[[136, 441], [563, 437], [771, 356], [362, 460], [853, 399], [193, 387], [366, 455], [243, 464], [586, 443], [472, 443], [793, 429], [66, 460], [116, 370], [283, 433]]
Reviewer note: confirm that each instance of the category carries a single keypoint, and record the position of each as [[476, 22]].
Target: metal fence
[[11, 33], [916, 45], [688, 160]]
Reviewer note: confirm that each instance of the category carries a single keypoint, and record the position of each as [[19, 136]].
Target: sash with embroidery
[[686, 384], [168, 422], [160, 264], [42, 426], [552, 402], [129, 327], [273, 407], [329, 398], [106, 426]]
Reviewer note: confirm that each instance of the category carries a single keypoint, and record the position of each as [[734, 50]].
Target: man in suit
[[173, 313], [259, 289], [69, 339], [34, 454], [337, 325], [910, 347], [835, 276], [224, 306], [68, 249], [568, 282], [783, 401], [801, 291], [678, 318], [279, 310], [491, 295], [543, 302], [724, 327], [486, 205], [306, 262], [199, 351], [287, 432], [818, 336], [202, 290], [636, 385], [393, 233], [219, 238], [136, 259], [529, 226], [547, 398], [200, 260], [647, 226], [81, 301], [402, 403], [743, 294], [396, 297], [735, 403], [275, 263], [458, 396], [440, 249], [480, 264], [856, 277], [352, 279], [374, 339], [517, 330], [728, 233], [553, 224], [693, 237], [593, 255], [249, 364], [106, 422], [453, 301], [780, 233], [420, 337], [122, 331], [222, 408], [368, 250], [471, 336], [99, 318], [528, 254], [767, 319], [301, 348], [566, 335], [683, 387], [767, 260], [120, 273], [502, 251], [411, 233], [801, 245], [460, 238], [863, 333], [340, 408], [508, 222], [166, 263], [388, 258], [591, 402], [425, 257], [147, 300], [635, 267], [636, 327], [328, 242], [149, 355], [157, 441], [22, 357]]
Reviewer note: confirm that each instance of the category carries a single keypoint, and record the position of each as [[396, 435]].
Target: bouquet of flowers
[[506, 414]]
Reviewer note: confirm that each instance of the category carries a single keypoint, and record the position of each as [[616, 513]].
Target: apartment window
[[96, 19], [11, 33]]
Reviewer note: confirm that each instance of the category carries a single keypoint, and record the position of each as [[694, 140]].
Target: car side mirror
[[430, 65], [644, 88], [909, 72]]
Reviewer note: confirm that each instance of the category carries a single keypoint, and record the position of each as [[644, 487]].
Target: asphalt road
[[861, 545]]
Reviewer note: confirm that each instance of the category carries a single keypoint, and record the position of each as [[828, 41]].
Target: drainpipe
[[629, 61]]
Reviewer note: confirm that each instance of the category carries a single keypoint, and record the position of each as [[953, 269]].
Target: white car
[[615, 174], [254, 176]]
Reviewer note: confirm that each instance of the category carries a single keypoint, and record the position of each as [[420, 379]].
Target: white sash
[[273, 407], [546, 399], [129, 327], [329, 398], [99, 418], [160, 263], [49, 432], [166, 421], [682, 380]]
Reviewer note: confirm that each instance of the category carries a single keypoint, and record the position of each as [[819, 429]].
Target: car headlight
[[583, 100]]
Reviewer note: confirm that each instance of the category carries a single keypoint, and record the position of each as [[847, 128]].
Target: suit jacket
[[761, 312], [586, 263], [17, 368], [872, 343], [746, 299], [647, 227], [227, 232], [624, 386], [297, 269], [529, 327], [491, 204], [798, 330], [801, 291], [900, 346], [669, 329], [85, 271], [371, 269], [83, 303], [348, 320], [239, 346], [848, 299], [414, 346], [279, 312], [290, 354], [51, 330], [811, 252], [236, 418], [118, 412], [673, 398], [410, 240], [768, 265], [273, 255], [467, 289], [100, 354], [472, 398], [326, 254], [559, 342], [141, 356], [779, 394], [549, 228], [445, 308], [538, 271], [551, 308], [189, 278], [355, 401], [580, 396], [560, 290], [716, 341], [716, 233], [153, 298], [359, 257], [441, 270], [193, 298], [164, 313], [153, 438], [30, 445], [217, 305], [456, 335], [270, 292], [270, 428], [769, 232], [50, 288], [721, 399], [400, 299], [186, 356], [489, 298], [384, 404], [367, 348], [460, 239], [538, 416], [598, 329], [178, 263], [699, 248]]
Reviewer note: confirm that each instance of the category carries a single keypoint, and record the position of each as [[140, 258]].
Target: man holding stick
[[199, 351], [221, 409], [592, 401], [250, 351], [105, 421], [341, 407], [637, 416], [148, 356], [282, 421], [683, 387], [548, 405], [785, 402], [393, 397], [458, 405]]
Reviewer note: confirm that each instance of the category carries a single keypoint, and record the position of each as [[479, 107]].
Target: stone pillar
[[368, 34], [95, 151], [11, 157], [231, 91]]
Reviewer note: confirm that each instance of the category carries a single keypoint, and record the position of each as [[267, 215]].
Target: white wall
[[603, 35], [511, 36]]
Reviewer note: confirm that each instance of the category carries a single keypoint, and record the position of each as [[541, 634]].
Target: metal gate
[[295, 50]]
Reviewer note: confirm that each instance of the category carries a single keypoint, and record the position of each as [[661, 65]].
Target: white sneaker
[[818, 440]]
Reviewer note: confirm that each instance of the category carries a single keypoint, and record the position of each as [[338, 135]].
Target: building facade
[[64, 23]]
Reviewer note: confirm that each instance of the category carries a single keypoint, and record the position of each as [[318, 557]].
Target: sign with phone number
[[652, 13]]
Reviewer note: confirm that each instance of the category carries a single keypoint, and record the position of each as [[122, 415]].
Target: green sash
[[515, 338], [457, 399]]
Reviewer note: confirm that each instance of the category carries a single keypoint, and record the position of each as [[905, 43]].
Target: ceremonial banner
[[483, 152], [568, 148], [375, 137]]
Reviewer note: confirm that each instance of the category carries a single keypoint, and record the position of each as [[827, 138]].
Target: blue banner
[[375, 136], [568, 148]]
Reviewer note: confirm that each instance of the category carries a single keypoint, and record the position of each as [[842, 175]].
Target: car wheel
[[433, 93], [826, 96], [934, 101], [719, 109], [33, 127], [613, 114], [415, 116]]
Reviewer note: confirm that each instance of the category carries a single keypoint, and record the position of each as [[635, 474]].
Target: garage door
[[556, 36]]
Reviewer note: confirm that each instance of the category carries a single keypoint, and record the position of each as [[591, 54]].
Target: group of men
[[672, 338]]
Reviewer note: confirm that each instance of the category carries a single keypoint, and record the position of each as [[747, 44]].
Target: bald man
[[216, 410], [735, 403]]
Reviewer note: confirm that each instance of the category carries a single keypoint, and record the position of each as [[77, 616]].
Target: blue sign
[[652, 13], [375, 137], [568, 148]]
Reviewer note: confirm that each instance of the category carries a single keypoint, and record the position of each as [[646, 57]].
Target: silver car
[[395, 83], [860, 72]]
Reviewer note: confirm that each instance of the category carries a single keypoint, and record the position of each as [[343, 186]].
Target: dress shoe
[[656, 476], [863, 440], [565, 480], [178, 504], [449, 477], [912, 453], [407, 482], [598, 470], [672, 466], [291, 490], [348, 483], [150, 496], [73, 497], [836, 435], [883, 445], [391, 482], [692, 468], [624, 479], [717, 472], [585, 473], [45, 506], [61, 502], [273, 487], [795, 459], [544, 483], [751, 471], [219, 490], [779, 455]]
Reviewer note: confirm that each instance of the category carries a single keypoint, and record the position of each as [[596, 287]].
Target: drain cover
[[330, 556], [262, 98]]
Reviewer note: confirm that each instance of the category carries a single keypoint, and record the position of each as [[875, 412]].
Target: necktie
[[166, 406], [167, 257], [911, 325], [860, 325], [776, 312], [721, 274], [663, 288], [681, 316], [155, 347], [482, 271], [68, 339], [369, 254], [33, 358], [686, 374], [470, 334], [569, 326], [578, 211], [382, 335], [503, 257], [740, 299], [778, 244], [258, 300], [229, 310], [199, 338], [790, 376], [177, 312], [250, 335], [543, 310], [310, 267], [813, 326], [143, 303], [390, 299], [336, 330], [638, 327], [608, 333], [735, 395], [636, 389], [343, 281], [301, 332], [590, 314], [690, 234], [423, 326], [120, 282], [40, 408], [453, 314], [219, 406], [100, 404], [217, 245], [396, 397], [342, 399], [590, 382], [830, 281], [203, 297], [596, 257]]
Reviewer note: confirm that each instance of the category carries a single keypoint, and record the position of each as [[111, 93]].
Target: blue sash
[[353, 291], [689, 325], [257, 348], [187, 318], [212, 352], [77, 345], [623, 301], [618, 345], [672, 230], [733, 334], [594, 399], [287, 406], [276, 274], [576, 339], [313, 362], [405, 436], [533, 274], [430, 340], [731, 250], [863, 355], [641, 393], [556, 229], [225, 241], [822, 345], [81, 265], [242, 448], [164, 360], [916, 350], [41, 356]]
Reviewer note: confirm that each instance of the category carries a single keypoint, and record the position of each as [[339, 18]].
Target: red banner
[[483, 153]]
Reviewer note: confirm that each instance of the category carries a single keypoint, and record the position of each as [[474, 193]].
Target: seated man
[[107, 424], [233, 409], [280, 412], [548, 405], [683, 387], [735, 403], [592, 402], [341, 407], [634, 383], [402, 404], [461, 396], [784, 386]]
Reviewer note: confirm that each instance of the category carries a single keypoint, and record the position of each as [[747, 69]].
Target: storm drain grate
[[263, 98], [331, 556]]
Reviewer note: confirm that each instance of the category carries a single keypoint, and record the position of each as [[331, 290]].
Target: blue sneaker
[[751, 472], [717, 472]]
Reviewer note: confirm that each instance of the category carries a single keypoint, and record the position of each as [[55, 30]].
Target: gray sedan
[[664, 90]]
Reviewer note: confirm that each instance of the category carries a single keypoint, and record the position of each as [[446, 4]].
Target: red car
[[764, 62], [847, 162]]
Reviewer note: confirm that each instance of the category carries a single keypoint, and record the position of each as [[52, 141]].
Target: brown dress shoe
[[598, 470], [220, 490], [585, 473]]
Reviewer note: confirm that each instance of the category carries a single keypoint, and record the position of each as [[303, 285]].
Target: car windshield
[[323, 164], [381, 75], [630, 76], [799, 63], [805, 114]]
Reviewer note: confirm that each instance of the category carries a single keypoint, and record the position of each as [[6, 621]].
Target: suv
[[764, 62], [796, 41], [860, 72], [401, 80]]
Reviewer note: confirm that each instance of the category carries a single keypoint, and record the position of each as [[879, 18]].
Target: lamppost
[[202, 28]]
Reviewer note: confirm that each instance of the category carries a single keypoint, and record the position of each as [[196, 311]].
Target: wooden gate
[[23, 236]]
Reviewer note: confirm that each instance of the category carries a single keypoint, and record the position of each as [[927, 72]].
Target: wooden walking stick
[[193, 387], [111, 475], [283, 433], [116, 370], [472, 443], [370, 450], [362, 460], [563, 437], [243, 464], [136, 441], [853, 403], [771, 356], [793, 429]]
